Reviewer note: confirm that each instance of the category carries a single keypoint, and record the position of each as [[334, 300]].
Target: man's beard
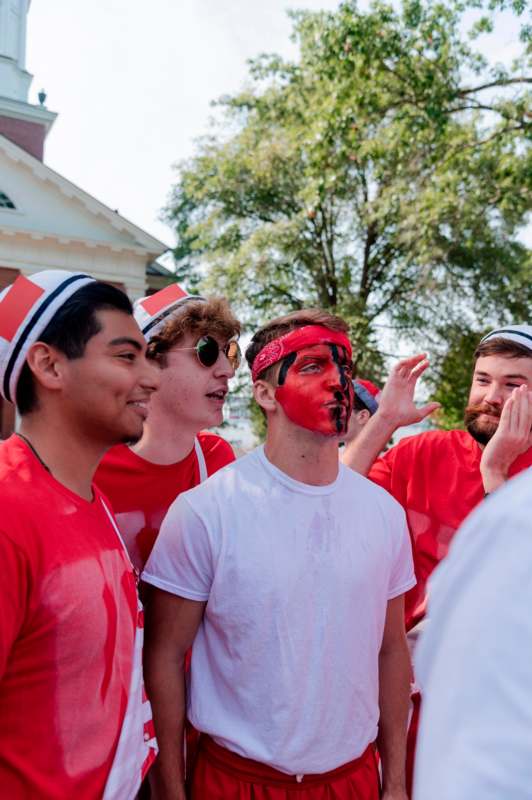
[[481, 431]]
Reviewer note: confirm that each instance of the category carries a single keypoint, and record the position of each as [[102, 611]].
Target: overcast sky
[[132, 82]]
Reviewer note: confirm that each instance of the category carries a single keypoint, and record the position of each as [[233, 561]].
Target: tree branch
[[492, 84]]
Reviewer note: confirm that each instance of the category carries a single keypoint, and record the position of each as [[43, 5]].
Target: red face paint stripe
[[16, 305], [161, 299]]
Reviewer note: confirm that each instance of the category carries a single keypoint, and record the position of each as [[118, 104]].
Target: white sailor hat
[[26, 308], [522, 334], [151, 312]]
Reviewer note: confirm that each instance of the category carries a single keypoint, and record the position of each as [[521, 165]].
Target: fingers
[[419, 369], [406, 365], [521, 411], [516, 415], [424, 411], [409, 369]]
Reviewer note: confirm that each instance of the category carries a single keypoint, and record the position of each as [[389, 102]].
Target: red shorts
[[220, 774]]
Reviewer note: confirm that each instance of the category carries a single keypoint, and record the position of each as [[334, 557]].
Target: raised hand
[[512, 437], [396, 403]]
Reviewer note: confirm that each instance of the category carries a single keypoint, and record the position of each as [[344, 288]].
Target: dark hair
[[70, 329], [498, 346], [358, 405], [278, 327]]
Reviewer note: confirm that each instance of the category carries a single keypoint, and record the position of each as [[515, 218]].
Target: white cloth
[[202, 464], [297, 579], [137, 745], [474, 661]]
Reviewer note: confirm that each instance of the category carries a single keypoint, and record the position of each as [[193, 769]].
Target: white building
[[45, 220]]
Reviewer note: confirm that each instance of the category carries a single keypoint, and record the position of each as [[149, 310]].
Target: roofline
[[116, 220], [88, 244]]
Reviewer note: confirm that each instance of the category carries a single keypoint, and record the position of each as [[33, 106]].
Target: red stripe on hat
[[16, 305], [161, 299]]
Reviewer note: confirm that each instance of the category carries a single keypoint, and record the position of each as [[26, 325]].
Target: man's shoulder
[[234, 476], [428, 441], [27, 497], [16, 474], [364, 490], [119, 458], [216, 449]]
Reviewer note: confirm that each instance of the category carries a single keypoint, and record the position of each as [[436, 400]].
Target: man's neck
[[164, 441], [70, 457], [303, 455]]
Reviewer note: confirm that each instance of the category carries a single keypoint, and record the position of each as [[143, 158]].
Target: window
[[5, 201]]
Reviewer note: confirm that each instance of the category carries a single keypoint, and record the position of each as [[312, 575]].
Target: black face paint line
[[336, 359], [336, 415], [341, 423], [285, 366]]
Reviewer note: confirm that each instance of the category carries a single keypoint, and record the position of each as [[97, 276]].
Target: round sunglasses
[[207, 350]]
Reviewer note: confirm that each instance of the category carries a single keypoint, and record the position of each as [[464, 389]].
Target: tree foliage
[[450, 375], [384, 175]]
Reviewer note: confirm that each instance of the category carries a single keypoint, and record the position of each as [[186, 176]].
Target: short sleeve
[[181, 561], [402, 576], [15, 582]]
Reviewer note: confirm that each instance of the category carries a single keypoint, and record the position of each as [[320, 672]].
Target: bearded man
[[440, 476], [291, 600]]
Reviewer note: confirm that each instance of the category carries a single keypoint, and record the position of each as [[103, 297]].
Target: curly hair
[[200, 317]]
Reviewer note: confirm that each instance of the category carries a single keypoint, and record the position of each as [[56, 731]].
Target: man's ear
[[264, 394], [363, 416], [46, 364]]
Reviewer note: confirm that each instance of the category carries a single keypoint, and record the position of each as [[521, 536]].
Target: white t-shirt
[[474, 662], [297, 579]]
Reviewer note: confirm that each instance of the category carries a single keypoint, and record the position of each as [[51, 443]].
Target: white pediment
[[49, 206]]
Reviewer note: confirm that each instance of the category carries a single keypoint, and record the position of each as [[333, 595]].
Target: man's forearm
[[165, 683], [493, 479], [360, 454], [394, 694]]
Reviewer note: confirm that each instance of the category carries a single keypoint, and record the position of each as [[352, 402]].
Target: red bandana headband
[[306, 336]]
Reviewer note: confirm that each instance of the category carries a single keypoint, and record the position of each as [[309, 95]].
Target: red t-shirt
[[67, 629], [436, 478], [142, 492]]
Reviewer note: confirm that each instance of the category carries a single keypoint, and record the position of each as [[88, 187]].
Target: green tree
[[450, 376], [385, 176]]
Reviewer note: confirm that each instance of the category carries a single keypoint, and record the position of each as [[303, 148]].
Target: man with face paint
[[292, 603]]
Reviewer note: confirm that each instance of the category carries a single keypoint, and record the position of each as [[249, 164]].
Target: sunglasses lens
[[233, 354], [207, 349]]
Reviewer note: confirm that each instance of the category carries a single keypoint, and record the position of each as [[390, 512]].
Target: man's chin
[[481, 433], [131, 437]]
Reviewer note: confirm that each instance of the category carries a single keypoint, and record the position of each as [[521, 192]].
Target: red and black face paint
[[315, 388]]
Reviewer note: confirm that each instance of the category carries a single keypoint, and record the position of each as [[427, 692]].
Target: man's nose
[[223, 367], [151, 375], [335, 378], [494, 395]]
